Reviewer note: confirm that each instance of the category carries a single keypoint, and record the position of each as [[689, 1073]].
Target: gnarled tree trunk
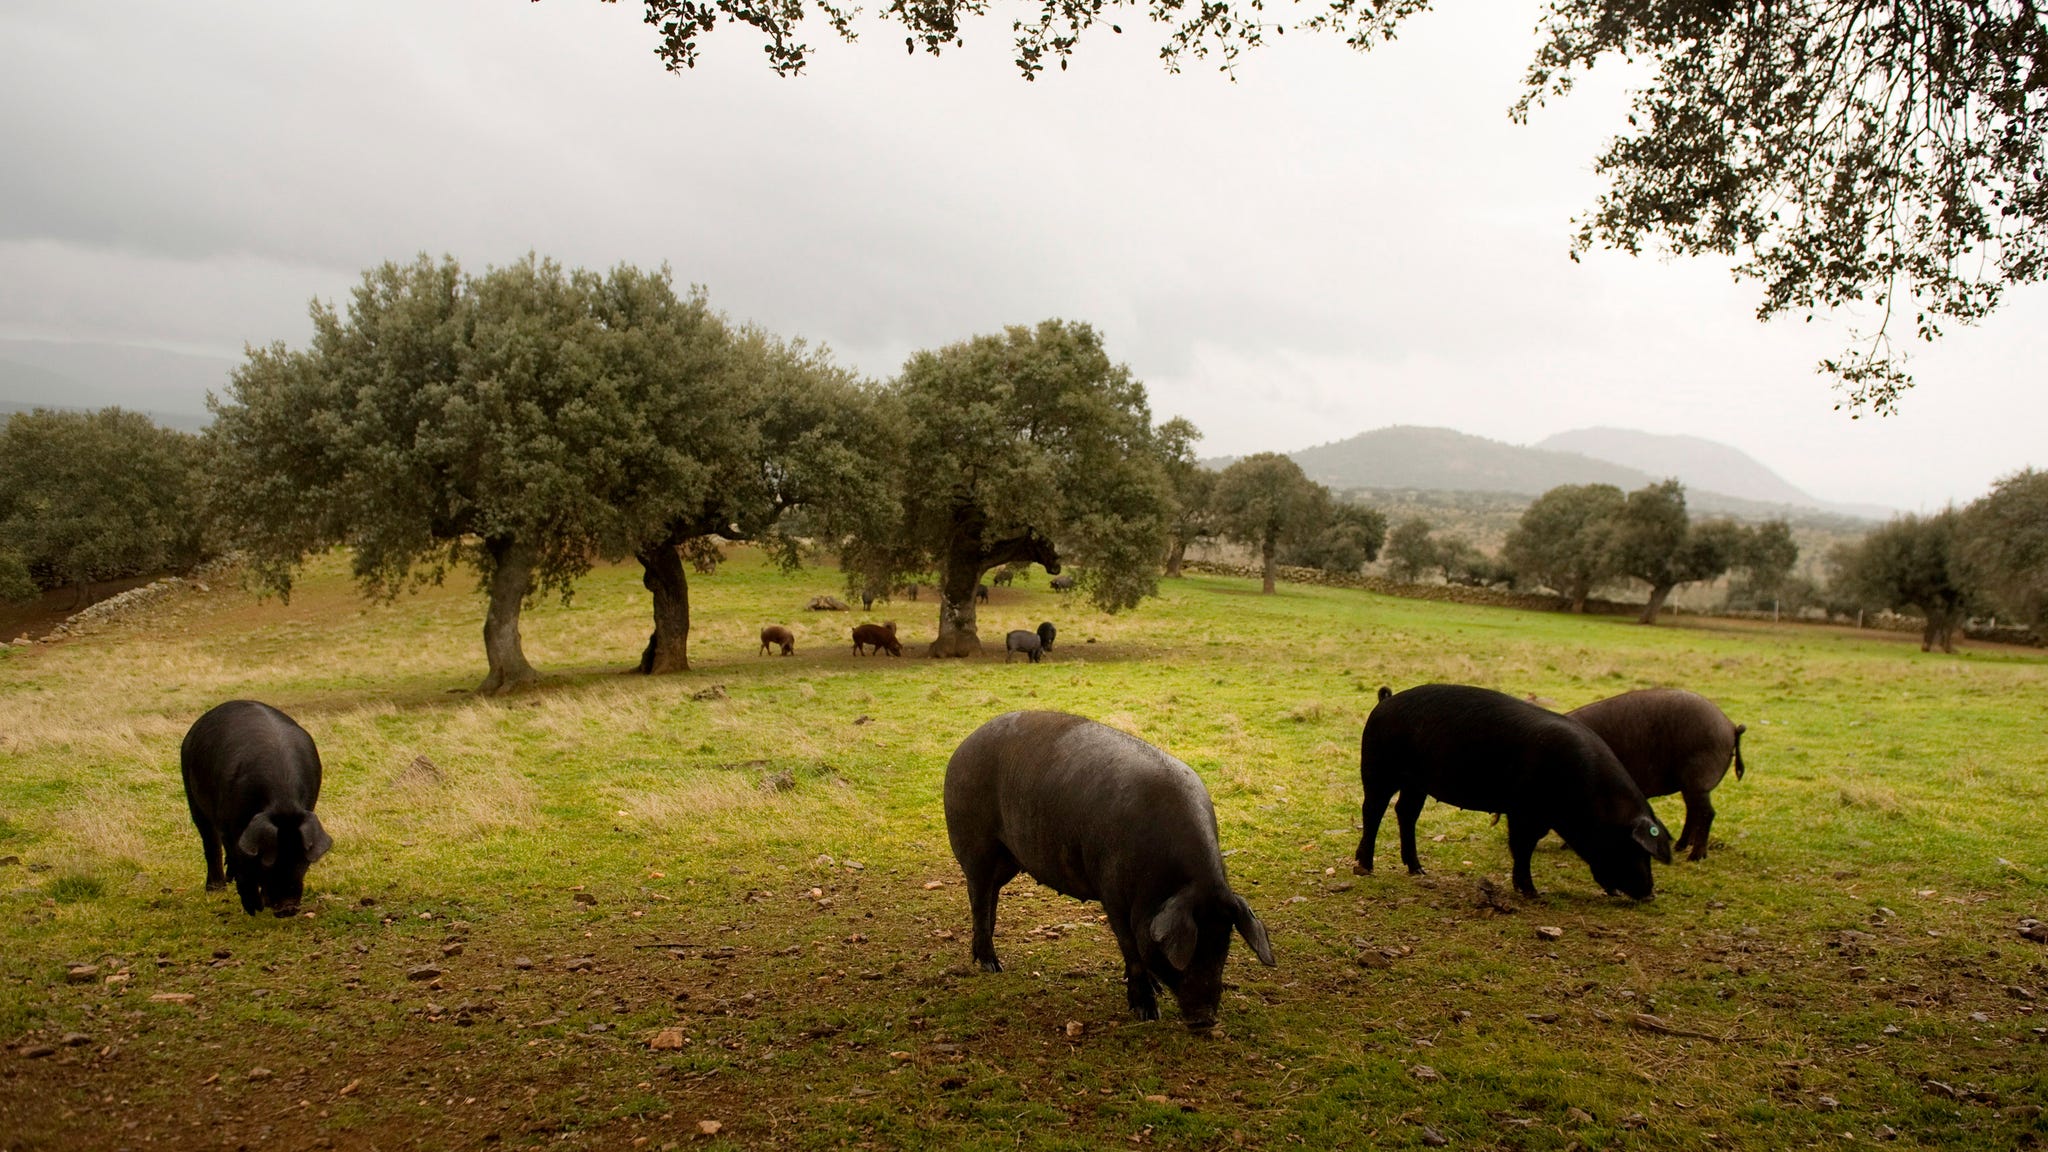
[[966, 560], [1266, 564], [511, 580], [1658, 593], [668, 649], [1174, 556]]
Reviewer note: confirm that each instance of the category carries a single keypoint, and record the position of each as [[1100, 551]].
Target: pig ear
[[259, 839], [315, 838], [1254, 933], [1654, 838], [1173, 929]]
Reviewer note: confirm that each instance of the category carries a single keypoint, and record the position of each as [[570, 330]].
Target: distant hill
[[170, 386], [1704, 464], [1445, 460]]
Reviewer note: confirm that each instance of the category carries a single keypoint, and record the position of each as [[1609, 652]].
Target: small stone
[[351, 1087], [75, 1040], [708, 1127], [172, 998], [1073, 1029], [454, 949], [856, 865], [424, 972], [257, 1074], [2018, 993], [1425, 1073], [1980, 1018], [667, 1040], [1635, 1120], [1541, 1017], [1828, 1102], [1892, 1029], [584, 898], [823, 861], [1549, 932], [1375, 959], [1432, 1137], [930, 885], [1578, 1115], [37, 1051], [82, 973], [523, 963]]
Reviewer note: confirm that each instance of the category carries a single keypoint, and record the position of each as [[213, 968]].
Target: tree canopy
[[1887, 153], [1266, 502], [1345, 536], [1562, 540], [1654, 540], [2003, 545], [92, 496], [1410, 551], [1910, 563], [1194, 487], [524, 422], [1031, 446]]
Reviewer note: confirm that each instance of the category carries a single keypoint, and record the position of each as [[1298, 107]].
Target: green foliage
[[1410, 551], [1844, 153], [2003, 544], [1562, 541], [1348, 537], [1027, 447], [1654, 540], [1264, 501], [92, 496], [15, 581], [1194, 489], [1767, 555], [1909, 564]]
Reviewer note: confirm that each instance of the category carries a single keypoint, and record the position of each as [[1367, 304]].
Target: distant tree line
[[1266, 503]]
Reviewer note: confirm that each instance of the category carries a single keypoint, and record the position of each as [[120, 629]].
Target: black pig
[[1097, 815], [252, 777], [1670, 741], [1487, 751], [1029, 643]]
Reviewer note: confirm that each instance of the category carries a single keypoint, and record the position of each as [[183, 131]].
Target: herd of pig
[[1099, 815]]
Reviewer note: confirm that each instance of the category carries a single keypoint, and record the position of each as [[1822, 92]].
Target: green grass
[[1828, 964]]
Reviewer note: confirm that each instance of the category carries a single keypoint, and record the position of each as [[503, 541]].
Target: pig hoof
[[1415, 869], [1145, 1011], [991, 965], [1361, 869], [216, 885], [1201, 1027]]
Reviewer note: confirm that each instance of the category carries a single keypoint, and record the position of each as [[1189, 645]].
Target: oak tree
[[1265, 501], [1561, 541], [87, 497], [2003, 545], [1031, 446], [1909, 564]]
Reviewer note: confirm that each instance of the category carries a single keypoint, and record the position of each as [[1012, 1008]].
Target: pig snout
[[285, 908]]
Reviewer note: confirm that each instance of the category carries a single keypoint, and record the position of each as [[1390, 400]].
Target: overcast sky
[[1333, 243]]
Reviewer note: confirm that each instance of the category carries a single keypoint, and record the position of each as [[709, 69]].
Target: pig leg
[[1699, 818], [1406, 809], [1375, 810], [985, 880], [1523, 836], [209, 840], [246, 886], [1141, 991]]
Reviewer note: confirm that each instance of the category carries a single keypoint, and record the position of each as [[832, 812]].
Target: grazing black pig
[[1063, 583], [252, 777], [1670, 741], [1097, 815], [1046, 632], [981, 593], [1028, 643], [1487, 751]]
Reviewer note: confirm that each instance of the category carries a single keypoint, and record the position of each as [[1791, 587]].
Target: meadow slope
[[525, 892]]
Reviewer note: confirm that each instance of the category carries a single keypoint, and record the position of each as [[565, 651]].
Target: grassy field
[[526, 894]]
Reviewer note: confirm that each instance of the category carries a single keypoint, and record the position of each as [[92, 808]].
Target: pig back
[[1083, 808], [1667, 738], [244, 757]]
